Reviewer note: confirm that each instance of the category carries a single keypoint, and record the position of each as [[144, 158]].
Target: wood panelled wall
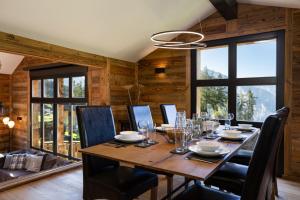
[[170, 87], [20, 100], [5, 98], [121, 73], [292, 96], [251, 19]]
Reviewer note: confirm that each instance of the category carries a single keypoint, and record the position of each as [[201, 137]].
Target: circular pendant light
[[164, 44]]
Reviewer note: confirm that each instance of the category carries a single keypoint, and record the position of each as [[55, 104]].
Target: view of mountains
[[265, 95]]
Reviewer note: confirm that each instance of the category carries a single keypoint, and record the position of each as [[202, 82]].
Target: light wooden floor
[[68, 186]]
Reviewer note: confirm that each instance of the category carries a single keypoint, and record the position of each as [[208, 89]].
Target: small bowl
[[247, 126], [232, 133], [129, 134], [208, 145]]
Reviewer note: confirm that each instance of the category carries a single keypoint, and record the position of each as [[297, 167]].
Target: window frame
[[54, 72], [232, 82]]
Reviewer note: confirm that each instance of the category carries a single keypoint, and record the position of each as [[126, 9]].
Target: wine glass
[[230, 116], [143, 127]]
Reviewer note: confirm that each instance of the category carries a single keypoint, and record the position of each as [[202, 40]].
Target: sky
[[253, 60]]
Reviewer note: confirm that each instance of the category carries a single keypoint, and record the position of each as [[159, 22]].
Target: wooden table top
[[159, 158]]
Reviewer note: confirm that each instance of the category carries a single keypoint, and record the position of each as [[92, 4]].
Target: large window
[[55, 93], [242, 75]]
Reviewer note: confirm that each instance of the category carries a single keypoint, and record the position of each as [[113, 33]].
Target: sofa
[[50, 161]]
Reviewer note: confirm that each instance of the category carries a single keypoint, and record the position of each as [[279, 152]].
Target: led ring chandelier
[[195, 44]]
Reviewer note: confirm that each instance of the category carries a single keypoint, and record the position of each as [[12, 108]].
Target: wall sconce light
[[160, 70], [2, 109]]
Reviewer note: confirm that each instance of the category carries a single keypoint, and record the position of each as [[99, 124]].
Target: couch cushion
[[17, 162], [6, 174], [34, 163]]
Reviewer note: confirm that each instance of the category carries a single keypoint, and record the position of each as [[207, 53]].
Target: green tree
[[216, 96], [245, 105]]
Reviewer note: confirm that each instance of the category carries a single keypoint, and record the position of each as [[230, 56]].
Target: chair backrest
[[258, 183], [168, 112], [139, 113], [96, 125]]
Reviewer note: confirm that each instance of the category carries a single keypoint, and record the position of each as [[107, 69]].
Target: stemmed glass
[[143, 127], [230, 117]]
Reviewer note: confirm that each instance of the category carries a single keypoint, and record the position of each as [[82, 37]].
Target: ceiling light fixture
[[164, 44]]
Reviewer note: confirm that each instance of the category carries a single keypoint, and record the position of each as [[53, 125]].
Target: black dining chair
[[259, 179], [103, 178], [139, 113], [143, 113], [168, 112], [231, 176]]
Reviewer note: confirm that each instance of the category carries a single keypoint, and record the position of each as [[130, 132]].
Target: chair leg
[[275, 187], [154, 193], [169, 186], [186, 180]]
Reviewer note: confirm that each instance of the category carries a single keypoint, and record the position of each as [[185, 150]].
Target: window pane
[[63, 87], [36, 125], [212, 63], [75, 134], [255, 103], [48, 126], [48, 88], [63, 129], [256, 59], [213, 100], [78, 87], [36, 88]]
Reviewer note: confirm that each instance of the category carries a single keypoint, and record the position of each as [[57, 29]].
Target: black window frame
[[56, 71], [232, 82]]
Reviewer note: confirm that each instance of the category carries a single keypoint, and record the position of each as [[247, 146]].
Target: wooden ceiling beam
[[227, 8]]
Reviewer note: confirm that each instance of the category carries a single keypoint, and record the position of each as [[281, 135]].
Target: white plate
[[230, 137], [137, 139], [220, 152]]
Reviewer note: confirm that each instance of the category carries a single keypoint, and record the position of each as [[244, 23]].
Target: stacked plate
[[232, 135], [209, 149], [129, 137]]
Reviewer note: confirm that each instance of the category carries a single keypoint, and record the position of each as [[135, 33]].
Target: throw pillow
[[34, 163], [17, 161], [7, 161]]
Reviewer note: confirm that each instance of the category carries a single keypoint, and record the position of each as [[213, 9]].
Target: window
[[54, 125], [242, 75]]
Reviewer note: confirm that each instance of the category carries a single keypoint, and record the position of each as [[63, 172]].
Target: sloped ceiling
[[9, 62], [113, 28]]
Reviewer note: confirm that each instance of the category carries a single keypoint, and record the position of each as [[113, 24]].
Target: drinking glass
[[196, 116], [196, 131], [179, 136], [204, 116], [152, 129], [143, 127], [179, 132], [188, 132], [230, 117]]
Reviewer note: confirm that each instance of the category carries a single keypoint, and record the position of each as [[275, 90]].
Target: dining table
[[159, 157]]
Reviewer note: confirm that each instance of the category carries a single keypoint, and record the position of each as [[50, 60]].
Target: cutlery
[[197, 159]]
